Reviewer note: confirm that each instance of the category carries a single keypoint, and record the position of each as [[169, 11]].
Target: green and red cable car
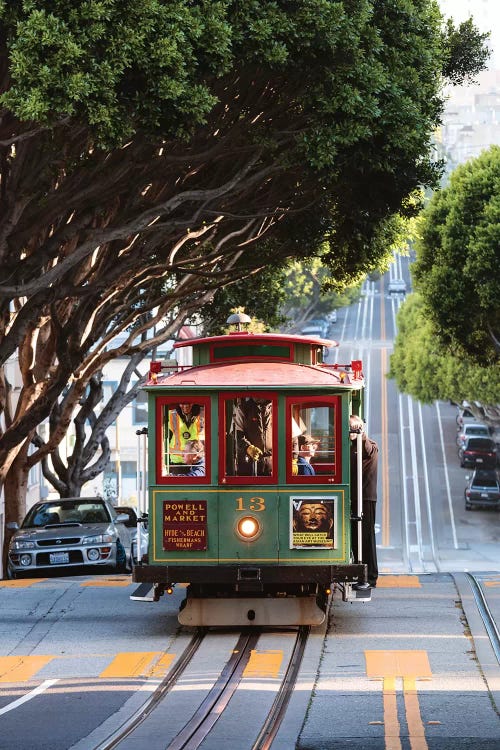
[[231, 512]]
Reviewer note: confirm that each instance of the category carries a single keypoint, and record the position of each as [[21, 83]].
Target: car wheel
[[468, 506]]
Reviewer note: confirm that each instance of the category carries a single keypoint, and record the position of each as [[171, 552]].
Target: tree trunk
[[15, 486]]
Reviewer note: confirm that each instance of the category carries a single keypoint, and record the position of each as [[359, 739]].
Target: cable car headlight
[[248, 528]]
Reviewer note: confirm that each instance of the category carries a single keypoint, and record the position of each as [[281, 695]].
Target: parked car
[[472, 429], [465, 414], [69, 533], [478, 452], [483, 489], [144, 543], [321, 323], [397, 286], [131, 512], [312, 332]]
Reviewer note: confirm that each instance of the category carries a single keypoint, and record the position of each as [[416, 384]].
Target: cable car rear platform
[[251, 595]]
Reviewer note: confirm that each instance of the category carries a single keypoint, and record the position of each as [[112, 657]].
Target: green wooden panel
[[241, 350]]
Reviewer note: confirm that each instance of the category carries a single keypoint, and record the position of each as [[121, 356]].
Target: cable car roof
[[263, 374]]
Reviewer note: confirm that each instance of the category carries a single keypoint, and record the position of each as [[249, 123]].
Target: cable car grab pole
[[359, 511]]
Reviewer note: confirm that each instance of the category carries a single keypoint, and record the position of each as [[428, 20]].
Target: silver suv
[[69, 533]]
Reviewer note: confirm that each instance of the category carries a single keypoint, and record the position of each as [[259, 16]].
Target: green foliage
[[260, 295], [464, 44], [426, 370], [459, 257], [118, 64], [307, 290]]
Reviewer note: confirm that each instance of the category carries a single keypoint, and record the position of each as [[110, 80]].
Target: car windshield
[[66, 511], [476, 429]]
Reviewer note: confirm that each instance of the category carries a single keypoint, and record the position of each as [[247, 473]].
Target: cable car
[[248, 468]]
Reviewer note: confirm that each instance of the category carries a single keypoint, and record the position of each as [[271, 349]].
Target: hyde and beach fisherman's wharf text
[[185, 525]]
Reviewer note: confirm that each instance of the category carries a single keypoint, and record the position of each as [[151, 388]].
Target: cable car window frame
[[224, 433], [308, 401], [167, 401]]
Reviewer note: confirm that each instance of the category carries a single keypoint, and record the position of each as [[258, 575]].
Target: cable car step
[[144, 593]]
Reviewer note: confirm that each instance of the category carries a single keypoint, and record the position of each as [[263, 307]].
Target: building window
[[140, 415]]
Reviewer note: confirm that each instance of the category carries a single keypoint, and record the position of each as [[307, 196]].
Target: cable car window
[[182, 444], [249, 437], [313, 430]]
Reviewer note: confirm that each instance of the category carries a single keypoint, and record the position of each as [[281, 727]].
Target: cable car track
[[277, 712], [163, 688], [201, 723], [485, 613]]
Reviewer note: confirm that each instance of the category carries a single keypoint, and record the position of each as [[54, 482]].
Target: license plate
[[484, 494], [58, 558], [479, 460]]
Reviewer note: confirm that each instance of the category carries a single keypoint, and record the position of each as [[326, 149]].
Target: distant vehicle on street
[[472, 429], [332, 316], [483, 489], [312, 332], [478, 452], [69, 533], [397, 286], [321, 323]]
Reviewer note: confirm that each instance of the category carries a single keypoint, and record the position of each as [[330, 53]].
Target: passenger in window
[[307, 448], [185, 422], [253, 428], [194, 458]]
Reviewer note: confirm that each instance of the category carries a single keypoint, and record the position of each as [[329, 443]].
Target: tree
[[425, 369], [145, 148], [458, 257], [307, 292]]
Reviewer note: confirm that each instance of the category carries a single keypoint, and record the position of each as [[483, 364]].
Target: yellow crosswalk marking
[[399, 582], [131, 664], [263, 664], [21, 583], [108, 581], [162, 666], [21, 668]]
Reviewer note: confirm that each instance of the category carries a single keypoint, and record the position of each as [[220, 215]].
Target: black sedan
[[478, 452]]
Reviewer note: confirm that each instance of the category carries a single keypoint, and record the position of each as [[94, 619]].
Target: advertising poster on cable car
[[312, 522]]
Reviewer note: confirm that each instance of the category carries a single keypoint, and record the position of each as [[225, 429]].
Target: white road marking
[[32, 694], [447, 481]]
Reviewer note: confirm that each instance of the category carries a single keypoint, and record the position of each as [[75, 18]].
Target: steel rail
[[278, 709], [486, 616], [211, 708], [164, 687]]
